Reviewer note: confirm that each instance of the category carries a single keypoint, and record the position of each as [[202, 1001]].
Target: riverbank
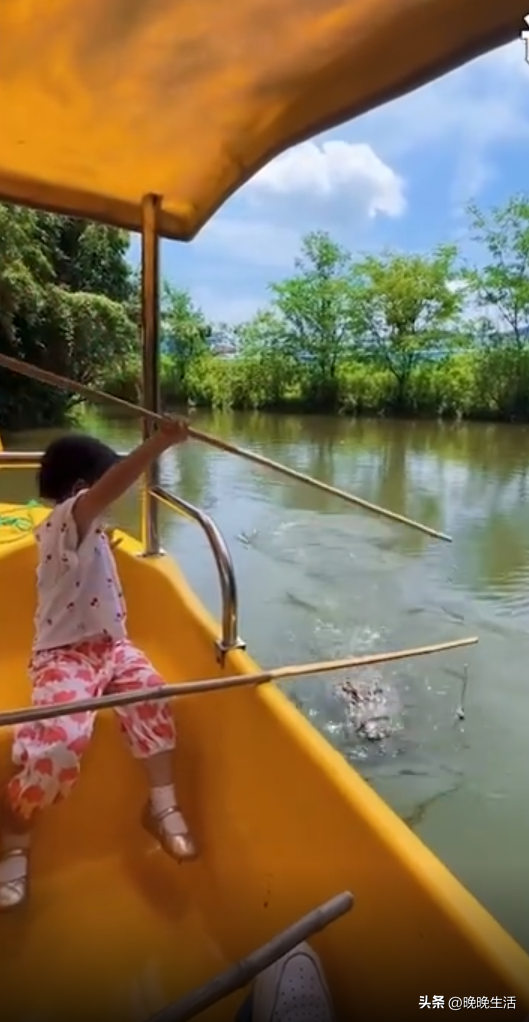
[[475, 386]]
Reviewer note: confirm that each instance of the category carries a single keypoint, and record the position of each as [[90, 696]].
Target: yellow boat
[[104, 105]]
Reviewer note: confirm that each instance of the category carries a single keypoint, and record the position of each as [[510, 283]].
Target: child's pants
[[49, 753]]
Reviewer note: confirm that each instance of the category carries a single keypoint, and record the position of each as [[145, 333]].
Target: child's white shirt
[[79, 592]]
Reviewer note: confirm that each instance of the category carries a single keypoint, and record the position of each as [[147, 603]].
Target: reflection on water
[[318, 579]]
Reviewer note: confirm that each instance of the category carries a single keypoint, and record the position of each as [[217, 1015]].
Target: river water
[[319, 579]]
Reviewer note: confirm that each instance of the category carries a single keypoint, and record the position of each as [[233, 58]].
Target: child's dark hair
[[72, 460]]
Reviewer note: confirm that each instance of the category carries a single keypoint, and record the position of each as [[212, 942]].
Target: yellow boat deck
[[116, 930]]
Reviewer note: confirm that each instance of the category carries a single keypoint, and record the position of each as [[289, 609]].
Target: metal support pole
[[150, 315]]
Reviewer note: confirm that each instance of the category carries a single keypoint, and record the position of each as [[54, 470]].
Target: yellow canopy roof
[[105, 100]]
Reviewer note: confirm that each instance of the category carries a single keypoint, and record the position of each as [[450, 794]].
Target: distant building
[[223, 347], [224, 350], [219, 346]]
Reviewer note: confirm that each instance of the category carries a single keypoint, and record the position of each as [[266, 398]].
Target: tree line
[[395, 333]]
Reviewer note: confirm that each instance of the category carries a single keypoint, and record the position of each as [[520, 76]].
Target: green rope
[[21, 522]]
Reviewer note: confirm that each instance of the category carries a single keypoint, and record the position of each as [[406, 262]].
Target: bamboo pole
[[246, 970], [190, 688], [91, 394]]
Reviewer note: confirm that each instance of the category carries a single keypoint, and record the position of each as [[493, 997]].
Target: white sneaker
[[293, 989]]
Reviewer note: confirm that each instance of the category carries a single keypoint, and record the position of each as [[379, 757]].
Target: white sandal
[[179, 846]]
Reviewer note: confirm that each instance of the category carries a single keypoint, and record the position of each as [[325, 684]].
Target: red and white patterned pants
[[49, 753]]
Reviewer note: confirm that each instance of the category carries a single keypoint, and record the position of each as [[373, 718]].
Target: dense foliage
[[397, 333], [64, 285]]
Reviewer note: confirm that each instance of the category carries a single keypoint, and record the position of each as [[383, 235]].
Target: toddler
[[81, 649]]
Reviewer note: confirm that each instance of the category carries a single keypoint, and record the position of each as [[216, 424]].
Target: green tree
[[187, 336], [500, 288], [406, 308], [501, 285], [313, 311], [44, 320], [270, 369], [86, 256]]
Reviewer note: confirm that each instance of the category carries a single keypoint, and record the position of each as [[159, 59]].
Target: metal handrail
[[21, 459], [228, 586]]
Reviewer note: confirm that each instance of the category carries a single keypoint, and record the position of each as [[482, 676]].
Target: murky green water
[[318, 579]]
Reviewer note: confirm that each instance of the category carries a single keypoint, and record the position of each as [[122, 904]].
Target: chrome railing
[[21, 459], [228, 586]]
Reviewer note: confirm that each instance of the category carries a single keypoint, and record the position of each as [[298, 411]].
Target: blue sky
[[398, 177]]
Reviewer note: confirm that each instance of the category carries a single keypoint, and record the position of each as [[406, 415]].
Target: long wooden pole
[[91, 394], [191, 688], [246, 970]]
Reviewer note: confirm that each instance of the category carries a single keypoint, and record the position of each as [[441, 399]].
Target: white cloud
[[475, 111], [485, 100], [334, 170], [263, 243], [424, 155], [334, 185]]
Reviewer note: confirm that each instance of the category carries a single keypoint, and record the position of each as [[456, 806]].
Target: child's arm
[[120, 477]]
